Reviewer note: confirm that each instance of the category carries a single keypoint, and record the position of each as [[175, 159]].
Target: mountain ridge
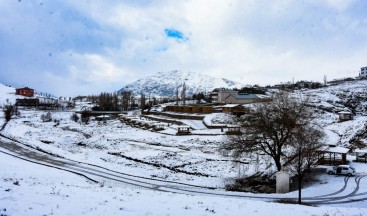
[[165, 84]]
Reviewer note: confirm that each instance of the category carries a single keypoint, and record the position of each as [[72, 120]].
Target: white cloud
[[94, 68], [340, 5]]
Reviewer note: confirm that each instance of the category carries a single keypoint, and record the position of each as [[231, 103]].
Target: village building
[[345, 116], [28, 102], [363, 73], [286, 85], [28, 92], [219, 94]]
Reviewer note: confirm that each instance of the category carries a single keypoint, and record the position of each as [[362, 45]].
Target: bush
[[85, 118], [258, 183], [47, 117], [74, 117], [9, 110]]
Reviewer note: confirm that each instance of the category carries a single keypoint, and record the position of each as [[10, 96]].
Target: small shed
[[361, 155], [183, 130], [333, 155], [233, 130], [345, 116]]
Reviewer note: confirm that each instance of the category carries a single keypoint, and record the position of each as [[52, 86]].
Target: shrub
[[74, 117], [47, 117], [10, 110]]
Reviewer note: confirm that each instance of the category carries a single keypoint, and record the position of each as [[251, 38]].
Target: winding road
[[350, 192]]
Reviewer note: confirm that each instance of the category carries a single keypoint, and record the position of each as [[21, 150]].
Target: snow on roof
[[250, 96], [233, 126], [230, 105], [344, 112], [336, 149], [103, 116], [361, 150]]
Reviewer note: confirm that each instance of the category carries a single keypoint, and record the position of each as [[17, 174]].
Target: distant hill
[[165, 83]]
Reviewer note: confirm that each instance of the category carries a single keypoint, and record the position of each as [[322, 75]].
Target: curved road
[[106, 176]]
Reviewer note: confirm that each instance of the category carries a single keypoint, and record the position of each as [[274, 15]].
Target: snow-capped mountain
[[166, 83]]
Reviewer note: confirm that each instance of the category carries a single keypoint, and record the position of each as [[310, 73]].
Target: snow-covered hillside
[[7, 95], [166, 83], [348, 96]]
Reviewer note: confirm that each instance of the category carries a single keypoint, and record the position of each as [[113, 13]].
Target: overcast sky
[[75, 47]]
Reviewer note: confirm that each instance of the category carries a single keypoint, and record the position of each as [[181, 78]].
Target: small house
[[183, 130], [233, 130], [345, 116], [28, 92]]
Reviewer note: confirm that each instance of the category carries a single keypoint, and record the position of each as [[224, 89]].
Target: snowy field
[[129, 149], [29, 189]]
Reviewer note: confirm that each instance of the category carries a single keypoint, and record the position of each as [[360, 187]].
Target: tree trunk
[[299, 189], [277, 163]]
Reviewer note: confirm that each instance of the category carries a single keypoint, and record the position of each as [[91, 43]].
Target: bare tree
[[142, 101], [9, 110], [177, 98], [183, 93], [85, 117], [269, 128], [126, 100], [304, 152]]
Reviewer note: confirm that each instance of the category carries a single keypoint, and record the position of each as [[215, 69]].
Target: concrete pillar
[[282, 182]]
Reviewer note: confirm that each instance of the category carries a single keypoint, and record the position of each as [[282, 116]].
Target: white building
[[363, 72], [220, 94]]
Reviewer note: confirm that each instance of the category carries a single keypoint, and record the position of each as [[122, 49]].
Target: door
[[345, 170], [338, 170]]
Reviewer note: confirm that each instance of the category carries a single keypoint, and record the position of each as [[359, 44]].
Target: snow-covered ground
[[30, 189], [194, 159], [117, 145]]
